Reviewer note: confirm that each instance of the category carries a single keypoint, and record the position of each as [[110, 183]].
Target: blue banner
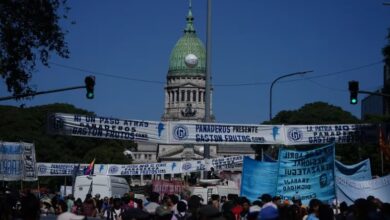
[[258, 178], [310, 174], [359, 171]]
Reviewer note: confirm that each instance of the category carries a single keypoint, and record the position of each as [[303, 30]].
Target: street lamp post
[[272, 84]]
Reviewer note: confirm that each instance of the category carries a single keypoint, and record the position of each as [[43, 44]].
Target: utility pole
[[206, 148]]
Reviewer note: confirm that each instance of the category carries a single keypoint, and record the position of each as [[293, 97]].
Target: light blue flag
[[310, 174], [359, 171], [258, 178]]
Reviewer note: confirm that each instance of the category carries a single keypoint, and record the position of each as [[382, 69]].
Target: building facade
[[185, 100]]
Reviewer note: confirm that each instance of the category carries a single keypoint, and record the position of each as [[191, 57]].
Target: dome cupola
[[188, 57]]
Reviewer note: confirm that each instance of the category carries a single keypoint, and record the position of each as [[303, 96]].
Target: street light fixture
[[272, 84]]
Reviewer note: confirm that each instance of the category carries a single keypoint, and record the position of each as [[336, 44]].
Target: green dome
[[188, 57]]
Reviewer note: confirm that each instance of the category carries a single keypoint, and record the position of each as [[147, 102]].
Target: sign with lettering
[[107, 127], [321, 134], [307, 173], [17, 161], [214, 133], [144, 169]]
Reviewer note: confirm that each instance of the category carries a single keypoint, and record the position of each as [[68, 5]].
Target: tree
[[29, 29], [314, 113]]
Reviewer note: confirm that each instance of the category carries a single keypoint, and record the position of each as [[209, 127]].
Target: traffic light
[[89, 85], [353, 87]]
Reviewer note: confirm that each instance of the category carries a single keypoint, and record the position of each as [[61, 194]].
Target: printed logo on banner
[[113, 169], [42, 168], [180, 132], [186, 166], [160, 128], [275, 132], [294, 134]]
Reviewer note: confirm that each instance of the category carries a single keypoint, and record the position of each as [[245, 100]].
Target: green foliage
[[29, 29], [323, 113], [314, 113], [29, 125]]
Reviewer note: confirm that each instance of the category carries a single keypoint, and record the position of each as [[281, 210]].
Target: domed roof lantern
[[188, 57]]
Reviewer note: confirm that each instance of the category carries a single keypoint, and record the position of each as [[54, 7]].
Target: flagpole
[[382, 169], [334, 176], [65, 186]]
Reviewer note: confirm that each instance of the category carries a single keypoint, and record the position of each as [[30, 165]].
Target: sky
[[126, 45]]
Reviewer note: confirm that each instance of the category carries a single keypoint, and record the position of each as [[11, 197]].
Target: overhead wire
[[308, 78]]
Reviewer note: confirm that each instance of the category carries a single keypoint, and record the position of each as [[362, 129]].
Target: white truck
[[214, 186], [109, 186]]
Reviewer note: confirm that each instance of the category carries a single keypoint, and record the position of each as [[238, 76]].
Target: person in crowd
[[325, 212], [209, 212], [89, 208], [77, 207], [69, 202], [63, 214], [194, 203], [245, 204], [30, 206], [164, 211], [114, 212], [223, 200], [174, 200], [269, 211], [98, 202], [277, 201], [185, 194], [106, 204], [343, 211], [128, 201], [298, 209], [182, 213], [314, 206], [46, 207], [254, 210], [152, 203], [214, 201]]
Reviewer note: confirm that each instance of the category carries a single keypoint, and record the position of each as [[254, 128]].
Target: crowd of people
[[185, 206]]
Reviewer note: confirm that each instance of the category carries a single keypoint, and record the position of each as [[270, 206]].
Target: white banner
[[68, 169], [164, 132], [17, 161], [227, 163], [107, 127], [213, 133], [144, 169], [321, 134], [355, 189]]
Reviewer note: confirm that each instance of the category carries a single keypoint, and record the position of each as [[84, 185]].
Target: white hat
[[69, 216]]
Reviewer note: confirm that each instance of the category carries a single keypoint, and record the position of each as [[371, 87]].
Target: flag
[[89, 170]]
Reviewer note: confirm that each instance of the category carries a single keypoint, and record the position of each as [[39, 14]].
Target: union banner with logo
[[321, 134], [216, 133]]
